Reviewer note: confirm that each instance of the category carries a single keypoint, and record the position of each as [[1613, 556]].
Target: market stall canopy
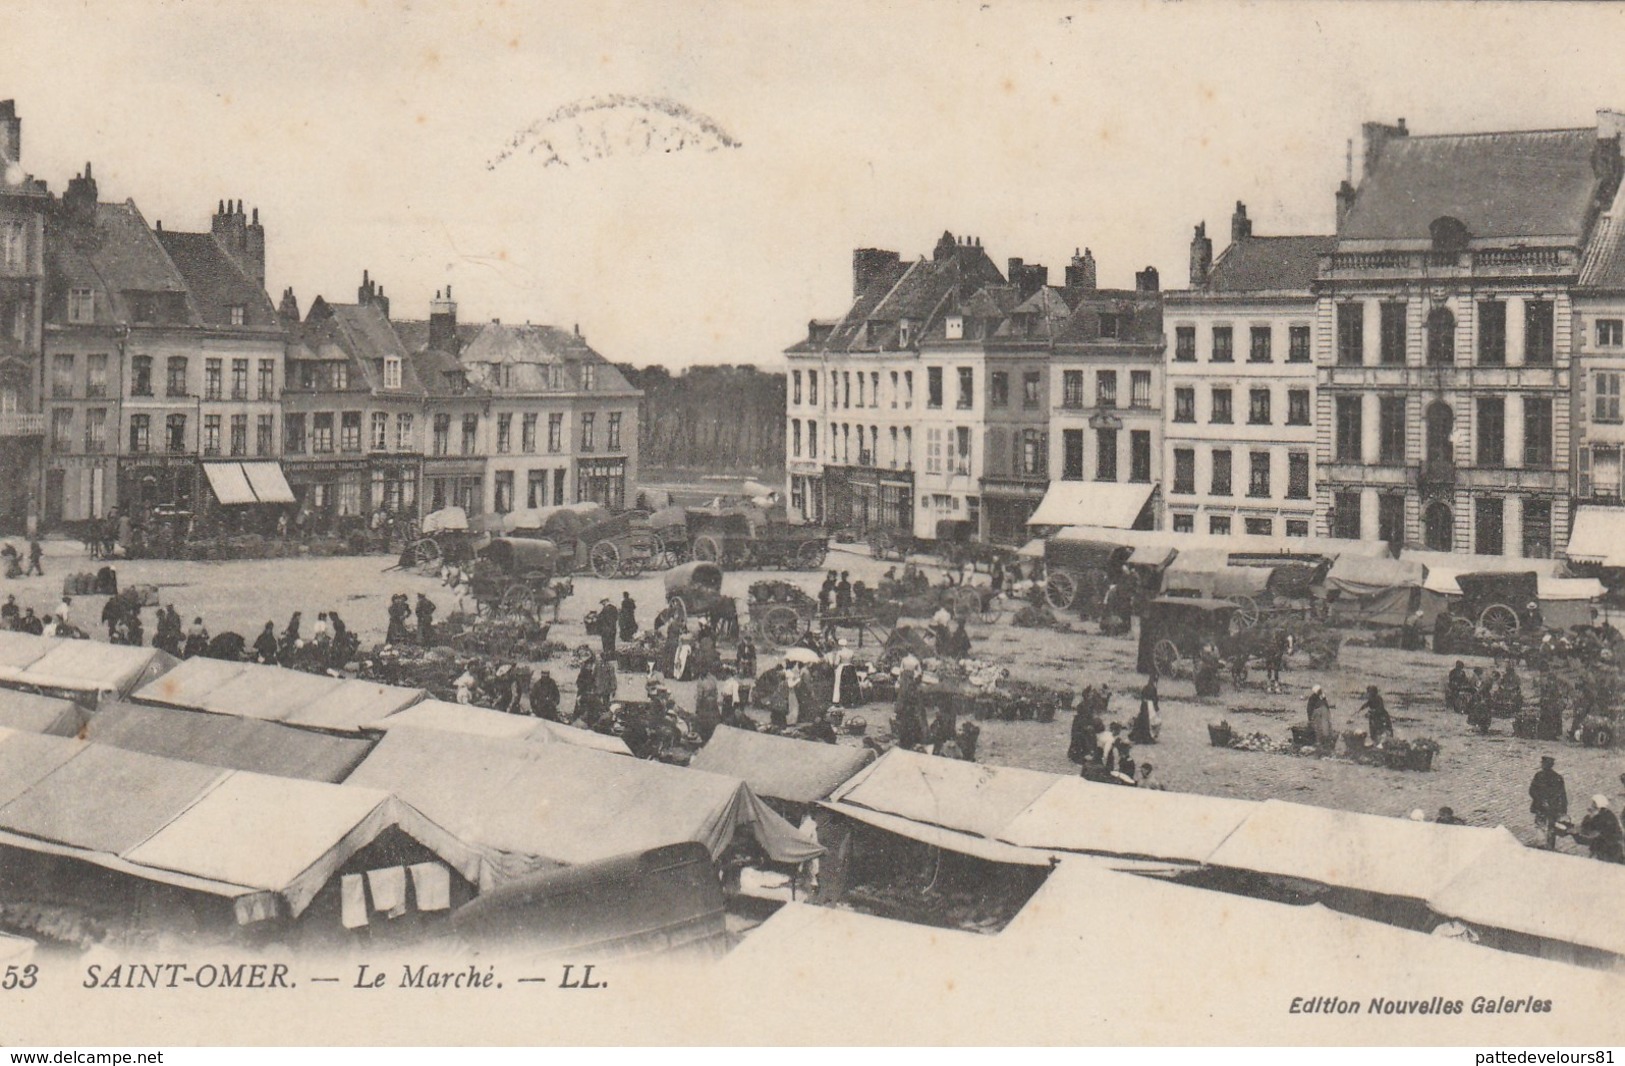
[[275, 694], [230, 743], [445, 520], [80, 666], [559, 804], [1346, 849], [1539, 893], [1208, 574], [270, 485], [483, 722], [243, 483], [1239, 547], [29, 713], [1361, 576], [963, 796], [1598, 536], [1115, 505], [1078, 815], [1460, 563], [785, 768]]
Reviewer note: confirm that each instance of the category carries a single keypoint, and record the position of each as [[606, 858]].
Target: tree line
[[710, 419]]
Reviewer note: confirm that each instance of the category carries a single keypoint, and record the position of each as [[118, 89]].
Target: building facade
[[24, 206], [1445, 336], [1239, 435]]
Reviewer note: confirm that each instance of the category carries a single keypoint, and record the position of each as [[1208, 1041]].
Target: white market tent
[[1085, 816], [1116, 505], [1234, 544], [276, 694], [482, 722], [965, 797], [1598, 536], [784, 768], [30, 713], [86, 667], [1377, 590]]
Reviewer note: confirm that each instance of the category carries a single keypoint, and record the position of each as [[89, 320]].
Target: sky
[[378, 135]]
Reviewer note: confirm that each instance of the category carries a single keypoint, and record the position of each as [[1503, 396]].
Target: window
[[1492, 333], [1492, 428], [81, 305], [846, 389], [967, 388], [212, 384], [14, 245], [1537, 431], [340, 376], [953, 327], [1185, 344], [1031, 388], [588, 431], [293, 434], [860, 388], [933, 451], [795, 390], [908, 390], [1350, 334], [140, 433], [812, 387], [527, 433], [141, 375], [96, 430], [891, 458], [1297, 350], [267, 379], [998, 389], [380, 431], [1391, 518], [349, 496], [612, 432], [471, 432], [1109, 325], [502, 482], [536, 489], [95, 376], [504, 433], [321, 433], [589, 378], [62, 376], [1537, 332], [1221, 407], [1223, 352], [1259, 527], [1537, 529], [264, 433], [962, 452], [238, 314], [1488, 516], [1071, 455], [1034, 453], [1297, 475], [894, 390], [908, 447], [795, 438], [62, 429], [555, 433], [1139, 388], [1259, 349], [350, 431], [239, 379], [933, 387], [1184, 471], [1297, 407], [1345, 517], [1392, 337], [1258, 474], [1184, 523], [1350, 429], [211, 434], [176, 383], [1610, 332], [1221, 482], [1219, 525], [392, 372], [1441, 337], [1605, 389], [1184, 404], [403, 432], [1391, 430], [1105, 455], [239, 434], [1105, 388], [1297, 527], [1258, 407], [1072, 389], [1139, 455]]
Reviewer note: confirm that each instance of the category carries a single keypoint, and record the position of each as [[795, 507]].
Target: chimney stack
[[369, 292], [252, 258], [1028, 278], [1201, 256], [443, 323], [11, 134], [1377, 136], [81, 197], [288, 309], [1345, 203], [1241, 227], [1147, 280], [1080, 273]]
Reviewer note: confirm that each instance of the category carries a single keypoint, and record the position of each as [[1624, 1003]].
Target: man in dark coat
[[425, 612], [1080, 748], [628, 618], [544, 697], [399, 611], [265, 645], [1548, 798], [608, 627]]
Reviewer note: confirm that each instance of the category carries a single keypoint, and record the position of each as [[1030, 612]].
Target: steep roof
[[113, 254], [526, 350], [1604, 264], [1139, 318], [1270, 264], [414, 332], [217, 283], [361, 335], [1528, 183]]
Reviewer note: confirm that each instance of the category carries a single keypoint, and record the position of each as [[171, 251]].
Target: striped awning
[[241, 483]]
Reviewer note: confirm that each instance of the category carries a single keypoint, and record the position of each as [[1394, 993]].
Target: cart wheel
[[678, 609], [707, 550], [1499, 619], [1166, 655], [517, 599], [1246, 610], [811, 554], [605, 558], [1061, 590], [782, 625], [426, 554], [1462, 629]]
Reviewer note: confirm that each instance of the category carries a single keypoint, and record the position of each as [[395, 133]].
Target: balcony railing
[[17, 424]]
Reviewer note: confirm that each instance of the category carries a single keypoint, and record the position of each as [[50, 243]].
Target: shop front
[[454, 483], [331, 496], [245, 497], [601, 481], [807, 491], [1007, 505]]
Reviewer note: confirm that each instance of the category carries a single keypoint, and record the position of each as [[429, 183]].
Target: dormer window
[[239, 314], [589, 377], [955, 327], [81, 305], [1108, 326], [905, 333], [392, 372]]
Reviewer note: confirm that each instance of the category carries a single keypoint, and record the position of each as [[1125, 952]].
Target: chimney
[[1080, 273], [1147, 280], [370, 292], [443, 323], [1345, 203], [1013, 271], [869, 264], [252, 259], [11, 134], [1201, 256], [1377, 136], [80, 197], [1241, 227], [288, 309], [1028, 278], [945, 246]]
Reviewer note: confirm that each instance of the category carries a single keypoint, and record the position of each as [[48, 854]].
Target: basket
[[1302, 736], [1220, 735]]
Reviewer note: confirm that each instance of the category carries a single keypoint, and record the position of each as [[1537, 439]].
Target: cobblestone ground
[[1484, 778]]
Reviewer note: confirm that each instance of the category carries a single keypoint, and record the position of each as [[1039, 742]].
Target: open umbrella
[[801, 655]]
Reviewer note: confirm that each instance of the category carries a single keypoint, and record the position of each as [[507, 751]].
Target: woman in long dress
[[1320, 715]]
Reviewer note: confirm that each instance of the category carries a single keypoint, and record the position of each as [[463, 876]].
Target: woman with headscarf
[[1600, 831], [845, 693], [1380, 725], [1320, 716]]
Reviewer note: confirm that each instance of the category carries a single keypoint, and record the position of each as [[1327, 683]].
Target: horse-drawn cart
[[445, 539], [694, 590], [517, 576], [746, 538]]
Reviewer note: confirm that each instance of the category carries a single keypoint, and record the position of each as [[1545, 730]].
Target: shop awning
[[1075, 503], [268, 483], [1598, 536], [229, 483]]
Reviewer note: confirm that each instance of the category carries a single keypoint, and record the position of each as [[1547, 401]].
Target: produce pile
[[433, 669], [1036, 616], [513, 638], [765, 592], [1394, 753], [1021, 701]]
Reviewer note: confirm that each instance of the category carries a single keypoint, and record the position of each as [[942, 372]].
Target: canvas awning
[[229, 483], [93, 667], [1462, 563], [482, 722], [1033, 549], [1598, 536], [1358, 576], [1442, 580], [1112, 504], [29, 713], [227, 742], [270, 485], [1084, 816], [276, 694], [797, 771], [1540, 893], [963, 796]]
